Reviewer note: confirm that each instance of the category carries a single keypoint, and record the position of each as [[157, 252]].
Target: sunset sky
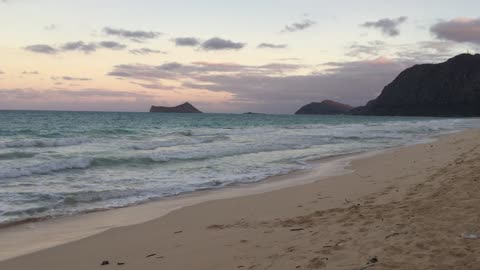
[[222, 56]]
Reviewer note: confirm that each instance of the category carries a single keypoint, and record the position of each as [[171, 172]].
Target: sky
[[224, 56]]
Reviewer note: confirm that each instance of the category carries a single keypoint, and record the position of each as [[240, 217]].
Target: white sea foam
[[123, 159], [152, 145], [44, 142], [46, 167]]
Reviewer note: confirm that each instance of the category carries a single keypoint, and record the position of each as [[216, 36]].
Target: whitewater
[[56, 164]]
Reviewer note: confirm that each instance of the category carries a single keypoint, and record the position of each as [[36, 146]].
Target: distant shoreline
[[244, 114]]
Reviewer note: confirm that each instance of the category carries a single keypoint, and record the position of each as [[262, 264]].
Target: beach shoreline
[[28, 236], [369, 181]]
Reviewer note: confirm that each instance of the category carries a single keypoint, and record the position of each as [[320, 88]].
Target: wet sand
[[405, 208]]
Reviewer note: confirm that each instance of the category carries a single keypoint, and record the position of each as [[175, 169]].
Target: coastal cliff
[[183, 108], [451, 88], [325, 107]]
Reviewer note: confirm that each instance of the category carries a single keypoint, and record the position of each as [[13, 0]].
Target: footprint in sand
[[422, 246], [363, 229], [316, 263]]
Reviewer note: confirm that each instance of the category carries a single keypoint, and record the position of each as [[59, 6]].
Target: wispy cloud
[[298, 26], [136, 35], [371, 49], [70, 78], [271, 46], [146, 51], [155, 85], [415, 52], [80, 46], [175, 70], [34, 72], [50, 27], [388, 26], [186, 41], [216, 43], [113, 45], [41, 48], [289, 59]]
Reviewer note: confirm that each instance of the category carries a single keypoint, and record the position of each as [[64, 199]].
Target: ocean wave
[[134, 158], [79, 163], [47, 167], [139, 160], [152, 145], [187, 133], [93, 196], [156, 144], [64, 204], [16, 155], [44, 143], [220, 152], [33, 211]]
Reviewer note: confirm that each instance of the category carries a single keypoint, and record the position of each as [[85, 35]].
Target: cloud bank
[[80, 100], [272, 87], [458, 30], [80, 46]]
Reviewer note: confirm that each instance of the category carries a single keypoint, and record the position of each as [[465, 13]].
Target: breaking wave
[[46, 167], [44, 143]]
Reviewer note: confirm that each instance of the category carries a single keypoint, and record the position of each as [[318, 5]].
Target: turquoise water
[[63, 163]]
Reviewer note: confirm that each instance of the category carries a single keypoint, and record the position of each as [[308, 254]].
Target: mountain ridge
[[451, 88]]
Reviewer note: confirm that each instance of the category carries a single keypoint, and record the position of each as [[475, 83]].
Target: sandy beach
[[405, 208]]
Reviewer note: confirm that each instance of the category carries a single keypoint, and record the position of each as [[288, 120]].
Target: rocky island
[[451, 88], [253, 113], [325, 107], [183, 108]]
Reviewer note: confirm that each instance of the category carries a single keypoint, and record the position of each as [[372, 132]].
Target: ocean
[[56, 164]]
